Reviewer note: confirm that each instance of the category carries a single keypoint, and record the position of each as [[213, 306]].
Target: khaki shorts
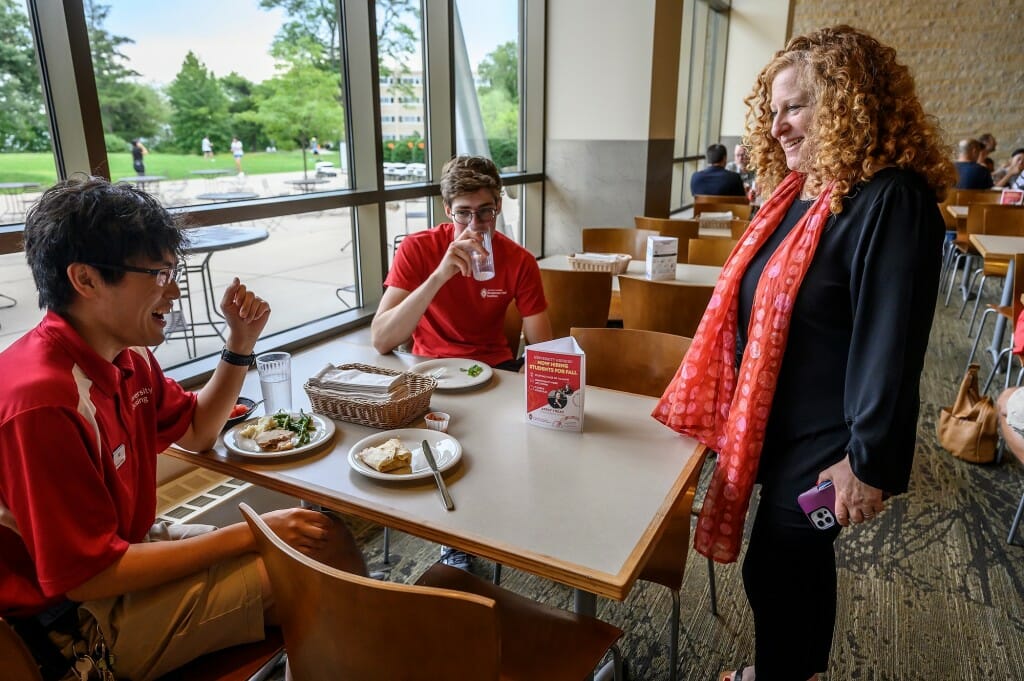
[[154, 631]]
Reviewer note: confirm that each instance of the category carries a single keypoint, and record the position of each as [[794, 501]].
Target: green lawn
[[39, 167]]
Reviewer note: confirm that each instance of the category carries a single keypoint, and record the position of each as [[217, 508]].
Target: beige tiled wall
[[967, 57]]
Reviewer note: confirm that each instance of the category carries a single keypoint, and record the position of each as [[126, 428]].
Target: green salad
[[474, 370], [302, 425]]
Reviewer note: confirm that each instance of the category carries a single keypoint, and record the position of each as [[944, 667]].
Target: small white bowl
[[437, 420]]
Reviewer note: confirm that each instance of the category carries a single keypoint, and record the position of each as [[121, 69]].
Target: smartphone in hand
[[819, 505]]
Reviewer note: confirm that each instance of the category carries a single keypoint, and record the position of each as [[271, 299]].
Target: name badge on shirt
[[119, 456]]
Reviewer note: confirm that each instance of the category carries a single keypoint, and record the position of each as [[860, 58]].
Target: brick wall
[[967, 57]]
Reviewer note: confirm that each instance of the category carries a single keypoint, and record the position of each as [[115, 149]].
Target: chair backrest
[[16, 663], [740, 211], [965, 197], [709, 251], [576, 299], [1004, 220], [513, 329], [682, 229], [631, 360], [661, 306], [617, 240], [338, 625], [720, 198], [738, 227]]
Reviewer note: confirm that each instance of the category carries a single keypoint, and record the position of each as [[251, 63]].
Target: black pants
[[789, 575]]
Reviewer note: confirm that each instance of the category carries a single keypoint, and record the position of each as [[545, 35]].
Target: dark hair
[[1017, 151], [467, 174], [90, 220], [716, 153]]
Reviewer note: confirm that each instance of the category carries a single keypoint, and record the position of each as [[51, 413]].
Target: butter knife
[[446, 498]]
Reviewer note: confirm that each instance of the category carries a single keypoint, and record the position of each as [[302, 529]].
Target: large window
[[310, 213], [701, 84]]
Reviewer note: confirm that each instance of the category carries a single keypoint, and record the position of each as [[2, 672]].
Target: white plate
[[447, 452], [247, 447], [453, 377]]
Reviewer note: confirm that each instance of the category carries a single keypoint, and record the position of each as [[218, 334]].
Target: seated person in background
[[746, 173], [431, 293], [988, 145], [715, 179], [1010, 409], [84, 411], [1010, 174], [971, 174]]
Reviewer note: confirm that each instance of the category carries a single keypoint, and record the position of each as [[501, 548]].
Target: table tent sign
[[555, 382]]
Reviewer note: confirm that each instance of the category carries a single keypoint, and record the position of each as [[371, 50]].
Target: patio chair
[[450, 624]]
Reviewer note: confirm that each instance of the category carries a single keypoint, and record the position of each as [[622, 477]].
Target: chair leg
[[713, 586], [1016, 522], [386, 560], [977, 338], [995, 368], [977, 302], [673, 638], [967, 293], [952, 276], [496, 575]]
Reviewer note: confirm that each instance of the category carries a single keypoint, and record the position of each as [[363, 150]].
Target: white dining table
[[583, 509], [686, 275]]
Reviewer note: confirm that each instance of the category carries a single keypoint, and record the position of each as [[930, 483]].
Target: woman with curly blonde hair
[[804, 372]]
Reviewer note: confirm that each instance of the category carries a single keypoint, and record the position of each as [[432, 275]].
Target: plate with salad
[[454, 373], [278, 435]]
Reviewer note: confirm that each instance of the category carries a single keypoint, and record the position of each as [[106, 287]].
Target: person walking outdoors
[[138, 151], [238, 153]]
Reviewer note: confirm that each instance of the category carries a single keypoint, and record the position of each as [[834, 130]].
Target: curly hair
[[468, 174], [866, 116]]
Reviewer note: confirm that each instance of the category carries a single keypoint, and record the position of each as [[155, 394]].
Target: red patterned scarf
[[702, 401]]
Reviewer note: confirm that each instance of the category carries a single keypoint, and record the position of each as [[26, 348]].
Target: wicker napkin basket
[[393, 413], [617, 266]]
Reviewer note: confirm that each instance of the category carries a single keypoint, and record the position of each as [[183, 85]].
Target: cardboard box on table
[[555, 383], [661, 257]]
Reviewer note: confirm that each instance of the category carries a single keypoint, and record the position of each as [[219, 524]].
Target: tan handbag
[[968, 428]]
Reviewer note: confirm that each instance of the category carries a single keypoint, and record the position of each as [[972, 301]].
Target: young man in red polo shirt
[[84, 411], [432, 295]]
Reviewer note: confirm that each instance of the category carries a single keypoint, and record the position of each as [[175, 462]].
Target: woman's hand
[[856, 501]]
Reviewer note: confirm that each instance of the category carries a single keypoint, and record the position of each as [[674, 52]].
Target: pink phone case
[[819, 504]]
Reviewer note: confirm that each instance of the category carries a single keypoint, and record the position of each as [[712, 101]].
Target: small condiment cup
[[437, 420]]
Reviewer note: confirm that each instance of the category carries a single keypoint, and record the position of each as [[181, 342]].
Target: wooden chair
[[709, 251], [740, 211], [16, 663], [1010, 313], [667, 564], [451, 625], [738, 227], [720, 199], [682, 229], [513, 329], [576, 299], [238, 663], [662, 306], [991, 219], [631, 360], [617, 240]]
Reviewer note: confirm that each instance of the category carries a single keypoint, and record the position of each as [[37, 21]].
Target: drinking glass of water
[[275, 370]]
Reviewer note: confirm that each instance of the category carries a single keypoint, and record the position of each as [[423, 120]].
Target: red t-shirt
[[467, 317], [79, 437]]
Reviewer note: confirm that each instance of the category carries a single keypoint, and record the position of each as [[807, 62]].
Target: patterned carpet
[[930, 590]]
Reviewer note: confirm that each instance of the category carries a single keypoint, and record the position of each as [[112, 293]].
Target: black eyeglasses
[[465, 216], [164, 275]]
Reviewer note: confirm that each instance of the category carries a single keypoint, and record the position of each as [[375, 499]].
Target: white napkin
[[712, 215], [354, 380], [598, 257]]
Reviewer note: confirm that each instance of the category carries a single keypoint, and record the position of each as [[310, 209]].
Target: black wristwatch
[[237, 359]]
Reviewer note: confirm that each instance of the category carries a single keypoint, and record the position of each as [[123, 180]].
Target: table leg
[[585, 603]]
